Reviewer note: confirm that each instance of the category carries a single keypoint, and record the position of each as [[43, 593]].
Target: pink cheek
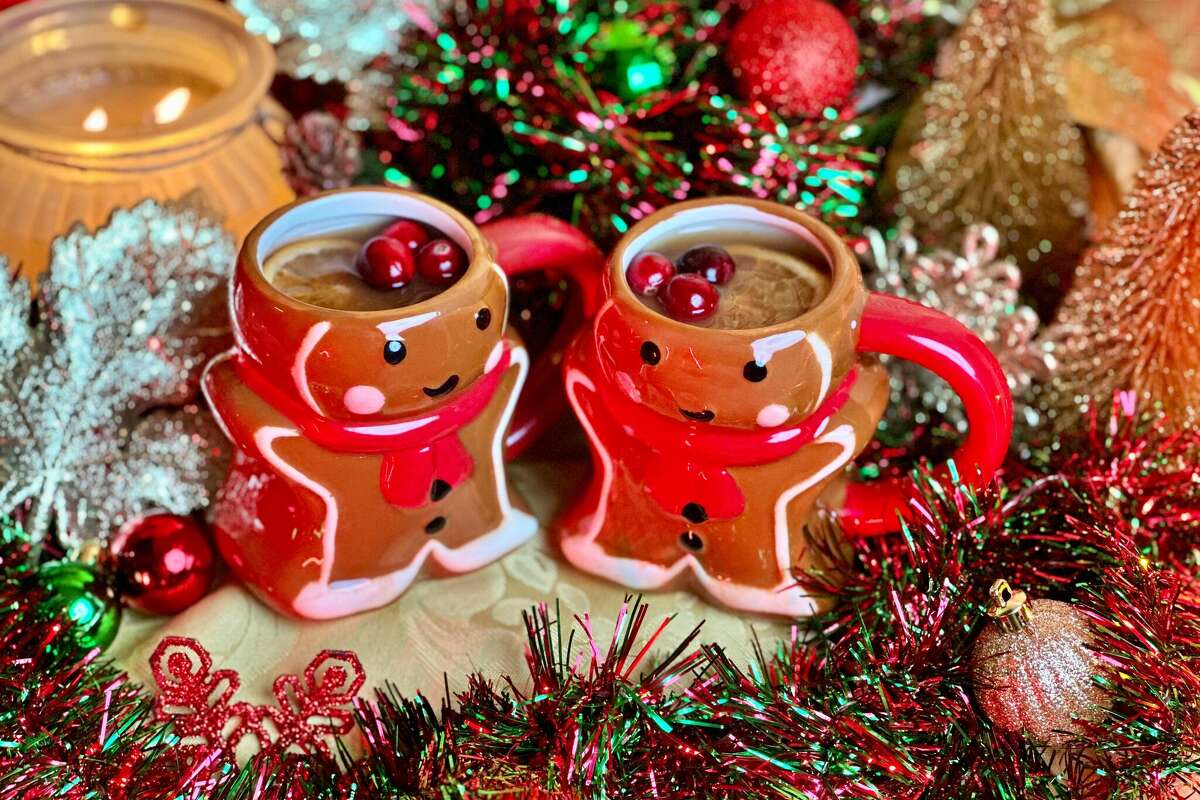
[[363, 400]]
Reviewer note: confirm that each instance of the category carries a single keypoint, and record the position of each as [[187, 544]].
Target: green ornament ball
[[78, 596], [632, 61]]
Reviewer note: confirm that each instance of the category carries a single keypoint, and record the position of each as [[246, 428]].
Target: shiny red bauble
[[163, 563], [441, 262], [409, 232], [648, 272], [709, 261], [794, 56], [385, 263], [689, 298]]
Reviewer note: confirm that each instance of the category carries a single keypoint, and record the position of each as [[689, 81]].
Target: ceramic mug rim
[[378, 201], [845, 273]]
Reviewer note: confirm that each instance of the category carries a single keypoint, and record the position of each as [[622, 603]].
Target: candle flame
[[96, 121], [172, 106]]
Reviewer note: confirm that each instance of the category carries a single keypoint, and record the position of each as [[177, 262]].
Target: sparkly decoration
[[509, 106], [92, 430], [1118, 76], [1075, 8], [634, 61], [795, 56], [77, 597], [898, 39], [991, 142], [328, 40], [1132, 316], [319, 154], [163, 563], [1032, 669], [980, 289], [197, 701]]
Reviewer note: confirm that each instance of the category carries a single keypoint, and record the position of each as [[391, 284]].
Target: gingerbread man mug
[[717, 445], [371, 426]]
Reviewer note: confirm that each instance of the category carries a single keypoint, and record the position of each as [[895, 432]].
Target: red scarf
[[416, 450], [680, 462]]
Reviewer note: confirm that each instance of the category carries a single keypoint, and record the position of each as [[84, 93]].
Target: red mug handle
[[897, 327], [535, 243]]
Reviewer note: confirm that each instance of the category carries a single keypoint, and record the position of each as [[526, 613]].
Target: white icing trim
[[300, 365], [324, 600], [825, 359], [785, 599]]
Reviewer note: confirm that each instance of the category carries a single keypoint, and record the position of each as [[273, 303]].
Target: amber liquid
[[779, 276], [321, 272]]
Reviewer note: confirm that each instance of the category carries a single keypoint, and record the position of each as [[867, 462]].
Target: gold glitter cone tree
[[1131, 320], [991, 141]]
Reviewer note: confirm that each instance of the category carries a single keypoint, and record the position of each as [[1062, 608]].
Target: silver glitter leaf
[[96, 368], [980, 289], [330, 40]]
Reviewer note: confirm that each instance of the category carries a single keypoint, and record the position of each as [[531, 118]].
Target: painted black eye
[[483, 318], [394, 351], [690, 540], [650, 353], [754, 371]]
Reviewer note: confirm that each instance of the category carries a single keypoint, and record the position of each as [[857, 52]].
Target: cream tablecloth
[[440, 627]]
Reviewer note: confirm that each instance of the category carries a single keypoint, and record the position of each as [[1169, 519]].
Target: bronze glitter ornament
[[1032, 669], [991, 141], [1131, 319]]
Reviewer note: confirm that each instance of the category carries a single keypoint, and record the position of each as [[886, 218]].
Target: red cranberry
[[709, 261], [441, 262], [408, 231], [385, 263], [689, 298], [648, 272]]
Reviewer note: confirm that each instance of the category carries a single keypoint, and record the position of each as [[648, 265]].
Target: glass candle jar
[[104, 104]]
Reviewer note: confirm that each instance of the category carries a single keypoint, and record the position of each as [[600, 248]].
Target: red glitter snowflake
[[198, 701]]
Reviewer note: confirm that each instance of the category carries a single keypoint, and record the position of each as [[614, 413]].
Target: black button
[[435, 525], [690, 540], [650, 353], [483, 318], [695, 513], [438, 489]]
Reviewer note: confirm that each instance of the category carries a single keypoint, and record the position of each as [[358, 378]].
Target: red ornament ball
[[689, 298], [385, 263], [648, 272], [709, 261], [409, 232], [441, 262], [794, 56], [163, 563]]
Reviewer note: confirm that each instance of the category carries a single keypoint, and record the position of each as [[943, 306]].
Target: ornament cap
[[1009, 607]]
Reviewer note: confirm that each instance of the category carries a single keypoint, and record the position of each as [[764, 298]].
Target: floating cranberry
[[408, 231], [385, 263], [709, 261], [689, 298], [441, 262], [648, 272]]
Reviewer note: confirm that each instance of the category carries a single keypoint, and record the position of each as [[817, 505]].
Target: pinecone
[[320, 153]]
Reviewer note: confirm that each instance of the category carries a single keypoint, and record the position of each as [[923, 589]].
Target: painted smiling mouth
[[438, 391], [698, 416]]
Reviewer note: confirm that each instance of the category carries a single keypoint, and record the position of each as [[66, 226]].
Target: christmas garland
[[882, 697]]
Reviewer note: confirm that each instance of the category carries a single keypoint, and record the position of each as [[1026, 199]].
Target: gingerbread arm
[[238, 409]]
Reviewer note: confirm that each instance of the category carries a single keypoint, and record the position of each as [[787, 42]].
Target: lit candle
[[104, 104]]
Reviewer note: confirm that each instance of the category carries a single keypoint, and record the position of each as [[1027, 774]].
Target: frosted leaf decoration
[[328, 40], [980, 289], [98, 368]]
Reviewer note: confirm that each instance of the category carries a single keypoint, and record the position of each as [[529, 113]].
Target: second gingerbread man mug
[[717, 439]]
